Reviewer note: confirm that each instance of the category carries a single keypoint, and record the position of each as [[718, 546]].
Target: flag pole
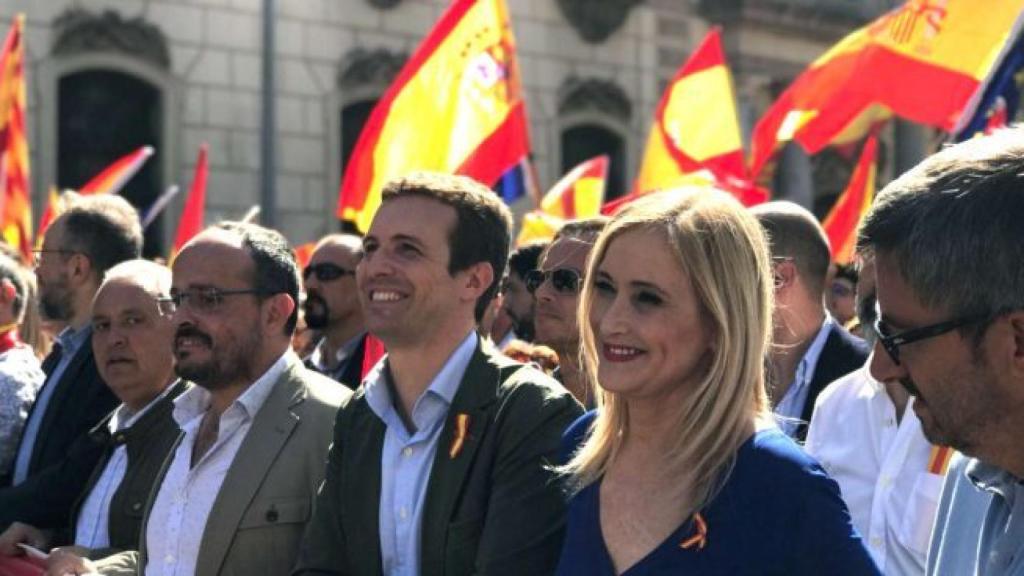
[[268, 197]]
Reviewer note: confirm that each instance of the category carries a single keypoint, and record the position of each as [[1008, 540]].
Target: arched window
[[585, 141], [594, 116], [353, 118], [101, 116]]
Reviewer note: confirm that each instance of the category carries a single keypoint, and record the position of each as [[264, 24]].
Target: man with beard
[[869, 440], [55, 455], [441, 464], [949, 265], [517, 302], [238, 489], [332, 308]]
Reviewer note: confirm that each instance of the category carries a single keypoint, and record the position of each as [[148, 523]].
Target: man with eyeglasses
[[809, 348], [555, 286], [949, 247], [332, 308], [442, 461], [867, 436], [92, 235], [238, 488]]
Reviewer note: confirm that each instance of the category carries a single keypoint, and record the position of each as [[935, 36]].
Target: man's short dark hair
[[11, 270], [954, 225], [483, 224], [276, 271], [103, 227], [847, 272], [525, 258], [794, 233]]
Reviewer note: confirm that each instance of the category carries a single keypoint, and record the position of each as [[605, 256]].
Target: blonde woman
[[681, 470]]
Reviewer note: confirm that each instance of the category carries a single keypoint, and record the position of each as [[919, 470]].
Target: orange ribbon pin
[[700, 539], [461, 430]]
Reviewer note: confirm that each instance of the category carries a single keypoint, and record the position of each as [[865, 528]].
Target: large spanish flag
[[455, 107], [696, 126], [15, 203], [115, 176], [580, 193], [193, 214], [923, 61], [843, 219]]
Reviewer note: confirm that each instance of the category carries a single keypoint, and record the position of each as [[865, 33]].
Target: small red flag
[[191, 222]]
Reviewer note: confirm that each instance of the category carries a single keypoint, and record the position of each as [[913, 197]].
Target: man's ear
[[784, 274], [80, 269], [279, 308], [478, 278], [1016, 326]]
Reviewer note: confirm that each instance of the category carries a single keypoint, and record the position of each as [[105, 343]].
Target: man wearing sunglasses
[[810, 349], [555, 286], [332, 308], [948, 241]]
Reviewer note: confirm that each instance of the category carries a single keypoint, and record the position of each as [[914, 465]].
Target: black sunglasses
[[892, 342], [325, 272], [564, 280]]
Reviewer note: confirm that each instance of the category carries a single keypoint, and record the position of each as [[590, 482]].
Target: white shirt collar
[[196, 401]]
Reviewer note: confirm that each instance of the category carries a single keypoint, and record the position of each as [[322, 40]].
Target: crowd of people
[[688, 386]]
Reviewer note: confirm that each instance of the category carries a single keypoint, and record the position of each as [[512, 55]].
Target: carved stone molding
[[362, 67], [384, 4], [604, 96], [79, 31], [596, 20]]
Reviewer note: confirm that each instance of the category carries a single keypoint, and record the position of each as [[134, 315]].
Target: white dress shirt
[[187, 494], [882, 468], [92, 526]]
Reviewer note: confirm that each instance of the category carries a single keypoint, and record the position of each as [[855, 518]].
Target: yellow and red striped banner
[[455, 107], [923, 61], [843, 219], [15, 203], [696, 126]]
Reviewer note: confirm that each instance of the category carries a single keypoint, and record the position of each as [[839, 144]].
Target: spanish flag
[[192, 216], [923, 61], [15, 205], [696, 126], [115, 176], [455, 107], [842, 221], [303, 253], [580, 193]]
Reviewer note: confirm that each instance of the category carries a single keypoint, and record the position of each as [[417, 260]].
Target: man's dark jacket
[[64, 455], [492, 507], [843, 353]]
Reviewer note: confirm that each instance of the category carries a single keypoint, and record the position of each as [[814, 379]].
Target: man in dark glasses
[[332, 308], [556, 285], [810, 349], [948, 239]]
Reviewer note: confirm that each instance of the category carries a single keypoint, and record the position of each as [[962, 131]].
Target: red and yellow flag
[[455, 107], [843, 219], [580, 193], [191, 222], [923, 61], [303, 253], [15, 203], [696, 126], [115, 176]]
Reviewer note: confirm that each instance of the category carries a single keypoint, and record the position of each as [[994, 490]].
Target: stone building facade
[[177, 73]]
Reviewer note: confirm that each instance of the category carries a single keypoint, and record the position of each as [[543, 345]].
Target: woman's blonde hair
[[723, 250]]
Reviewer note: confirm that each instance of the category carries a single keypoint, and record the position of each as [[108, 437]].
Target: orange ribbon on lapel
[[700, 539], [461, 429]]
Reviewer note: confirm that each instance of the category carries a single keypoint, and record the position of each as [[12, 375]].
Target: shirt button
[[403, 513], [407, 451], [886, 481], [137, 506], [169, 559], [876, 542]]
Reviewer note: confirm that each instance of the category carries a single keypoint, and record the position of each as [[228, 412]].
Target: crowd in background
[[688, 386]]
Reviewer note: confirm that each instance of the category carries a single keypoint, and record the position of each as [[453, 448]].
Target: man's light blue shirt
[[70, 341], [791, 407], [407, 457], [979, 529]]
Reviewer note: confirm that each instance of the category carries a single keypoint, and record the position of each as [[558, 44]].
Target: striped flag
[[192, 216], [580, 193], [455, 107], [843, 219], [113, 178], [924, 61], [15, 205], [696, 126]]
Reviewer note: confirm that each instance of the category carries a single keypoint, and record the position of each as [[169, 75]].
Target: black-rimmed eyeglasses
[[325, 272], [892, 342], [564, 280], [202, 300]]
